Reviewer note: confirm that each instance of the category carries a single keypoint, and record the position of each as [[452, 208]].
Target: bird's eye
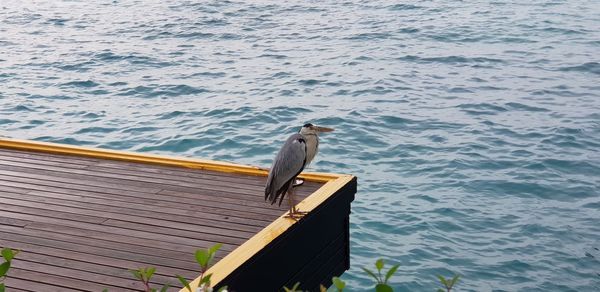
[[301, 140], [308, 125]]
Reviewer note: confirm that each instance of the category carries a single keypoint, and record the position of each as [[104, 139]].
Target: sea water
[[473, 126]]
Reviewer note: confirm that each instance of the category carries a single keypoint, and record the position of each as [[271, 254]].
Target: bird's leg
[[294, 213]]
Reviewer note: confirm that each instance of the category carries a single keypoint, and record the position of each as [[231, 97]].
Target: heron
[[297, 153]]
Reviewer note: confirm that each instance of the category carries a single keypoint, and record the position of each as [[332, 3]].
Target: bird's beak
[[323, 129]]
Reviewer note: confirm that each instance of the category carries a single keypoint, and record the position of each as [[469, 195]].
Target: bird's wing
[[288, 163]]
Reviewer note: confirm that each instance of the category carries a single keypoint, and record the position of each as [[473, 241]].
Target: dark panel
[[311, 275], [280, 261], [322, 274]]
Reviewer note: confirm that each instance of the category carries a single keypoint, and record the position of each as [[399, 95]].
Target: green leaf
[[383, 288], [379, 264], [149, 272], [202, 258], [165, 287], [184, 282], [454, 280], [443, 281], [339, 284], [212, 250], [2, 287], [390, 273], [137, 274], [222, 289], [440, 290], [211, 253], [205, 280], [104, 290], [371, 274], [4, 268], [8, 254]]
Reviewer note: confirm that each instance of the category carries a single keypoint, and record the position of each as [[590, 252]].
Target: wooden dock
[[83, 217]]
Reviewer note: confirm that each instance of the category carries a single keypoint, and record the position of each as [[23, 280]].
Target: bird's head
[[310, 129]]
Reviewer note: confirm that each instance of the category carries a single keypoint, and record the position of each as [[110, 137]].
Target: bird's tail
[[272, 194]]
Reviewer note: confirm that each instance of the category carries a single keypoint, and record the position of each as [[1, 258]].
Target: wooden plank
[[65, 282], [197, 240], [106, 252], [65, 188], [167, 201], [102, 204], [119, 263], [35, 176], [136, 168], [39, 161], [48, 156], [162, 201], [32, 286], [41, 214], [66, 163], [183, 200], [218, 212], [36, 203], [131, 182], [95, 279], [120, 178], [119, 186], [119, 273], [233, 237], [226, 167], [89, 184], [181, 246], [84, 162], [8, 221], [8, 231]]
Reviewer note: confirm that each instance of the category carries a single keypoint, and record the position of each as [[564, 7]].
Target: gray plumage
[[296, 153], [288, 164]]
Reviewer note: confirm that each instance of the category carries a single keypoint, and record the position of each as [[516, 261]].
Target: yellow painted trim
[[260, 240], [243, 253], [150, 158]]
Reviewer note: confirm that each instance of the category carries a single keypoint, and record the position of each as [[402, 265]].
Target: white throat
[[312, 146]]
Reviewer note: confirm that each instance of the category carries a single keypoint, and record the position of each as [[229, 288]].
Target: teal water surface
[[473, 126]]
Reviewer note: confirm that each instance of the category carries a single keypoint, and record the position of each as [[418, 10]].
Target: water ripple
[[473, 127]]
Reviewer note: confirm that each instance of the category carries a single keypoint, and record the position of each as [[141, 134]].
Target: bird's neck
[[312, 146]]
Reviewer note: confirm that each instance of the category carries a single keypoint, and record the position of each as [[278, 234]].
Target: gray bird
[[296, 154]]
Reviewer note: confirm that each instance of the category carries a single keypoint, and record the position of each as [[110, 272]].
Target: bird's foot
[[298, 182], [295, 214], [294, 217], [296, 211]]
